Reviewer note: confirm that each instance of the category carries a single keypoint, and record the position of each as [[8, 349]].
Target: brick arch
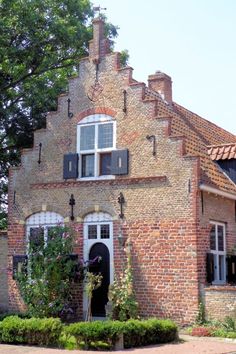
[[44, 217], [36, 210], [97, 110], [95, 210]]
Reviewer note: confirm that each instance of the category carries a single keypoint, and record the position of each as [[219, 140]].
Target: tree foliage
[[41, 43]]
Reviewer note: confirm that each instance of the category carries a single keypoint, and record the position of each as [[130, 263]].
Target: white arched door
[[98, 242]]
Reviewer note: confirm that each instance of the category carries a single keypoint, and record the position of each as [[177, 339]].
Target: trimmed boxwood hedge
[[135, 332], [34, 331], [49, 331], [153, 331]]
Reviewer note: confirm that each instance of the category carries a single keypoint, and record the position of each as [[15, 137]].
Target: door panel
[[100, 295]]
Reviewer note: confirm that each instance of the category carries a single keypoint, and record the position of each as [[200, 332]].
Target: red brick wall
[[165, 268]]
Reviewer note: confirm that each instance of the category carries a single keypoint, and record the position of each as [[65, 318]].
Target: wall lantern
[[40, 151], [72, 203], [69, 113], [121, 239], [121, 201]]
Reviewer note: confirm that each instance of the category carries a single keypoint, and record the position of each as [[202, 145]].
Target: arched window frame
[[96, 155], [43, 220]]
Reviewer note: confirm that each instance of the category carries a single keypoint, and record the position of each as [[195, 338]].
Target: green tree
[[41, 43]]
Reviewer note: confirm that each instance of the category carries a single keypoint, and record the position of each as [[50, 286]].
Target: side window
[[216, 258]]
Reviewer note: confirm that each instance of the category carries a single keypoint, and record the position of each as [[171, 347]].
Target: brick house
[[137, 166]]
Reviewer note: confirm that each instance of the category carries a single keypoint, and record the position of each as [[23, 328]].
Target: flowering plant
[[121, 294], [46, 289]]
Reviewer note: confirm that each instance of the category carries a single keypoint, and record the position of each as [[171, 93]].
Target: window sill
[[98, 178], [221, 287]]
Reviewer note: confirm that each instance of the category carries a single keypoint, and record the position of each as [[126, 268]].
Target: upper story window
[[217, 255], [96, 139]]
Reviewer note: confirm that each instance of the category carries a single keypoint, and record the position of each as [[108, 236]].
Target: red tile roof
[[199, 135], [222, 152]]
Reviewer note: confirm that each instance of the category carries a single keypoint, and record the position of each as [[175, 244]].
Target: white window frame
[[218, 253], [43, 219], [96, 120]]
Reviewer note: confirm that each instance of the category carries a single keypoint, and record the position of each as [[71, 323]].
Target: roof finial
[[98, 9]]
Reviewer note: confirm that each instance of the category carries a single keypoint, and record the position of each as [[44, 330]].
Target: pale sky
[[193, 41]]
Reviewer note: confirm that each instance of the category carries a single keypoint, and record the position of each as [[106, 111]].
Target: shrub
[[89, 332], [229, 324], [33, 331], [152, 331], [136, 332], [19, 314], [46, 289]]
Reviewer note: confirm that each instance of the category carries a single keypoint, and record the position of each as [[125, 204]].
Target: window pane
[[87, 137], [105, 164], [220, 238], [92, 232], [221, 267], [105, 231], [105, 135], [213, 238], [88, 165], [36, 238]]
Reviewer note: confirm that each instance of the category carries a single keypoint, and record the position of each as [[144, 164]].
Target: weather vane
[[99, 9]]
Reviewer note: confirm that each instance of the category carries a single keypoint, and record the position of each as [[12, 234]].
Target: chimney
[[162, 84], [99, 46]]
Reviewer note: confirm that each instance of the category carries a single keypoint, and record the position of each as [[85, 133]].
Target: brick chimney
[[99, 46], [162, 84]]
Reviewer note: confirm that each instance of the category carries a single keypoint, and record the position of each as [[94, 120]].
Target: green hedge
[[153, 331], [96, 335], [136, 332], [35, 331], [90, 332]]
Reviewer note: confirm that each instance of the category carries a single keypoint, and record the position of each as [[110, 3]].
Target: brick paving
[[190, 345]]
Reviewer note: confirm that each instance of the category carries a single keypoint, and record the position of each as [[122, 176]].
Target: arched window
[[96, 139], [38, 226], [98, 226]]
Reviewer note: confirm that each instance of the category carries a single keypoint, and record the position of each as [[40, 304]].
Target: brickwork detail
[[220, 302]]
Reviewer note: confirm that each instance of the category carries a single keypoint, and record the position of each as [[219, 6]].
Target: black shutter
[[120, 162], [70, 166], [210, 267], [231, 269], [19, 264]]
